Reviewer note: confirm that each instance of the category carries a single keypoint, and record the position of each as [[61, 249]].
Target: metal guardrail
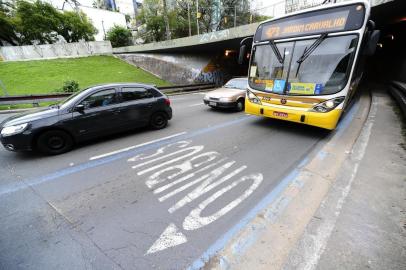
[[36, 99], [398, 91]]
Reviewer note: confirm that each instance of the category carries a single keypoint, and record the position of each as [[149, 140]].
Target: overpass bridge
[[212, 57]]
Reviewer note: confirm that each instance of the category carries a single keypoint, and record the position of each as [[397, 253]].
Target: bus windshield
[[323, 71]]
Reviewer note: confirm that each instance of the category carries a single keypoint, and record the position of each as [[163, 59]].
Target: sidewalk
[[361, 223]]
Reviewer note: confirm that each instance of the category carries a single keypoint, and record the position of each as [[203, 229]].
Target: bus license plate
[[212, 103], [280, 114]]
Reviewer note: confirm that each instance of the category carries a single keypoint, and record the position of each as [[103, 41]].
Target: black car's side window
[[102, 98], [134, 93]]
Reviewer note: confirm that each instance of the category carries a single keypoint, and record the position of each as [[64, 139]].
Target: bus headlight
[[328, 105], [253, 98]]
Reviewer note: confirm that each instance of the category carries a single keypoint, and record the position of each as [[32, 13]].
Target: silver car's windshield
[[325, 71], [237, 84]]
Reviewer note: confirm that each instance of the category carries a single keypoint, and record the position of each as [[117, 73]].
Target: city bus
[[305, 67]]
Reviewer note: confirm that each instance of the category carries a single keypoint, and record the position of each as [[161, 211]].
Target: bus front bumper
[[323, 120]]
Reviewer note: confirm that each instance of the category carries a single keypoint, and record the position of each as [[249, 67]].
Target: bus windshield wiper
[[308, 51], [277, 52]]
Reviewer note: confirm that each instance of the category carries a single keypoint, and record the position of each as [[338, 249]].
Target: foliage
[[70, 86], [36, 22], [119, 36], [215, 15], [75, 26], [44, 76], [39, 22]]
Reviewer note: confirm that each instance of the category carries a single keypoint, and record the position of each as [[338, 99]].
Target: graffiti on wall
[[212, 36]]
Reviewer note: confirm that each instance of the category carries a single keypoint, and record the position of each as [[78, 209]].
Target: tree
[[36, 22], [215, 15], [7, 30], [150, 16], [75, 26], [40, 23], [119, 36]]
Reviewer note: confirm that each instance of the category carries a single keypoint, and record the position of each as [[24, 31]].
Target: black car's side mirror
[[80, 108]]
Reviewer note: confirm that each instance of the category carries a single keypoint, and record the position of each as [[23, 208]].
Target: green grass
[[46, 76]]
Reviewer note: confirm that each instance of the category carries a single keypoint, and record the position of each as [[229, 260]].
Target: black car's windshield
[[324, 71], [237, 84], [66, 101]]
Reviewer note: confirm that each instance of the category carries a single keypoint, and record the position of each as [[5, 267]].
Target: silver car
[[231, 95]]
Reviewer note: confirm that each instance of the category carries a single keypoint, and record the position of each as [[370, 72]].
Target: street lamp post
[[188, 17], [197, 18]]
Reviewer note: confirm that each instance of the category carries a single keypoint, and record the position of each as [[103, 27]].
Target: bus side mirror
[[370, 48], [241, 56]]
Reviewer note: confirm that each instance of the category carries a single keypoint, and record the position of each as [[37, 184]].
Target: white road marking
[[200, 93], [169, 238], [197, 104], [174, 99], [182, 168], [206, 186], [178, 166], [136, 146], [184, 178], [195, 149], [161, 150], [195, 221]]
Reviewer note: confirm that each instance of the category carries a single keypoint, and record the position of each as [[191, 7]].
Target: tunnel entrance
[[389, 61]]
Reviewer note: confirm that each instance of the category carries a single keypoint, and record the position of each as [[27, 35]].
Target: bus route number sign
[[312, 23]]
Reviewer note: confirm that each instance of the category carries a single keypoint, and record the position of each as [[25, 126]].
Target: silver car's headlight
[[11, 130], [226, 99]]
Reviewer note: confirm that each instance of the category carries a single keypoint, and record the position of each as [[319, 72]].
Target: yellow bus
[[305, 66]]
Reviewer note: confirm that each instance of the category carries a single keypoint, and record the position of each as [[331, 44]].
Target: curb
[[266, 240]]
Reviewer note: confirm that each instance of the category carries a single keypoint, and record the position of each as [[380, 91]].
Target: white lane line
[[175, 99], [135, 146], [197, 104]]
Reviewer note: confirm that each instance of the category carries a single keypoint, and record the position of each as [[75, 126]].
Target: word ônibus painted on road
[[180, 166]]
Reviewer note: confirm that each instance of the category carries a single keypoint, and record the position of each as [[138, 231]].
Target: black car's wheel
[[54, 142], [158, 121], [240, 105]]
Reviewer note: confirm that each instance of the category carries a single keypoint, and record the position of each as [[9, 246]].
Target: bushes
[[119, 36], [70, 86]]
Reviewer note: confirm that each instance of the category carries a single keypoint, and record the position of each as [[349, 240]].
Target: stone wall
[[51, 51]]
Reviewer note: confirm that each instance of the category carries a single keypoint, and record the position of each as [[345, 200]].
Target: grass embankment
[[48, 76]]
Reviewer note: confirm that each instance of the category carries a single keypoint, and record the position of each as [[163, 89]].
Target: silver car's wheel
[[240, 105]]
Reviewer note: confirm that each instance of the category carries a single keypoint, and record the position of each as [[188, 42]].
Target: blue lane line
[[264, 203], [11, 188]]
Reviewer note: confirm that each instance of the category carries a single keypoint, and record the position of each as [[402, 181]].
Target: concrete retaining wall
[[50, 51], [175, 68], [187, 68]]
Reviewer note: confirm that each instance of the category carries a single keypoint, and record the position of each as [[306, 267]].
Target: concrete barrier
[[51, 51]]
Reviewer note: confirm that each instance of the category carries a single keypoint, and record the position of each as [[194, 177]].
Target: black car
[[93, 112]]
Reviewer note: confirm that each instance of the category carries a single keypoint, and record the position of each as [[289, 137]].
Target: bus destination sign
[[312, 23]]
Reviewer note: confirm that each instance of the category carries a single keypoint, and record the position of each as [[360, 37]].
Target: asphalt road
[[145, 199]]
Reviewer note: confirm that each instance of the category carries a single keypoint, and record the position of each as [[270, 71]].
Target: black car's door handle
[[117, 111]]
